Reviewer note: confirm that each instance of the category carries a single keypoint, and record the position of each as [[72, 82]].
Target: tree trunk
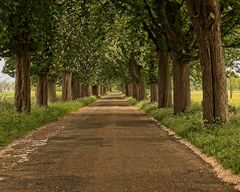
[[164, 81], [74, 89], [66, 87], [85, 91], [230, 88], [154, 92], [130, 89], [126, 89], [90, 92], [206, 19], [96, 90], [100, 90], [141, 90], [82, 93], [134, 70], [52, 91], [42, 90], [135, 90], [104, 90], [181, 84], [22, 83], [79, 90]]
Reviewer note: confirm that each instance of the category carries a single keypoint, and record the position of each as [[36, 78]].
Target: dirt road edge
[[222, 173]]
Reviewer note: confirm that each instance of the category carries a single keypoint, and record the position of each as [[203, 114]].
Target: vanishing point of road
[[109, 146]]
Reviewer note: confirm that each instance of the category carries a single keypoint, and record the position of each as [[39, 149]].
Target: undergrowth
[[14, 125], [220, 141]]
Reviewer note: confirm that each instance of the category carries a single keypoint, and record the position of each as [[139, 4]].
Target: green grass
[[220, 141], [14, 125]]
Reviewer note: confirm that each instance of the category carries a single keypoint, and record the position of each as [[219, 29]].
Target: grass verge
[[220, 141], [14, 125]]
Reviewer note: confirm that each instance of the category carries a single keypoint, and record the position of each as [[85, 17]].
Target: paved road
[[112, 147]]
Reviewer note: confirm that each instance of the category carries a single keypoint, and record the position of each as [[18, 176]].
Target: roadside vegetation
[[14, 125], [221, 141]]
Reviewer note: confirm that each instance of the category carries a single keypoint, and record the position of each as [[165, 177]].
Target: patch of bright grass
[[196, 96], [14, 125], [220, 141], [9, 96]]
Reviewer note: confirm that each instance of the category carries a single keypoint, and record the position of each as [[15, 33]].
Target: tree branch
[[151, 15], [150, 34], [228, 16], [171, 34]]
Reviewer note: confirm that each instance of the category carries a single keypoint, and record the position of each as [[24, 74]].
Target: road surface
[[109, 146]]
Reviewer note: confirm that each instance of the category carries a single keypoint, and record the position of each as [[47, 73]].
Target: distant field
[[9, 96], [197, 97]]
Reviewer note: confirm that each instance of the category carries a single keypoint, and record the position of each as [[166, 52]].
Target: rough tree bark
[[42, 90], [164, 81], [74, 88], [130, 89], [52, 96], [230, 88], [126, 89], [181, 84], [79, 89], [154, 92], [135, 90], [90, 92], [206, 19], [22, 83], [66, 87], [100, 90], [138, 85], [85, 90], [102, 87], [96, 90], [104, 90], [141, 89], [82, 91], [152, 79]]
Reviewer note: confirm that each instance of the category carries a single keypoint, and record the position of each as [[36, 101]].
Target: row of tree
[[48, 42], [183, 32], [125, 42]]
